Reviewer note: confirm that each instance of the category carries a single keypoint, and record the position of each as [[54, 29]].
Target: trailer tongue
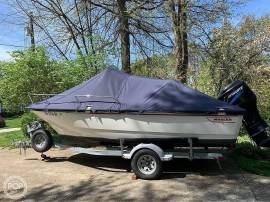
[[238, 93]]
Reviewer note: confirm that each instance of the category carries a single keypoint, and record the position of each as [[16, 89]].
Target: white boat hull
[[130, 126]]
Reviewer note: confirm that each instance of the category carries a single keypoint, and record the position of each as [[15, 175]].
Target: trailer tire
[[41, 141], [146, 164]]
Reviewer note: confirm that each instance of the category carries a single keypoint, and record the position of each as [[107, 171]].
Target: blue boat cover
[[116, 91]]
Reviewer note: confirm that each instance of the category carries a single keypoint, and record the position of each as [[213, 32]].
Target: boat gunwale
[[220, 113]]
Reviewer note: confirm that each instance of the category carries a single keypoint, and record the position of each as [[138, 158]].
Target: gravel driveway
[[70, 176]]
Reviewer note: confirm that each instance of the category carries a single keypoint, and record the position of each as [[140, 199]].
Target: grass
[[251, 158], [6, 139], [13, 122]]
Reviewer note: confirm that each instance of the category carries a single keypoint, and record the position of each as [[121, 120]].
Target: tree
[[190, 21], [36, 72], [68, 27], [236, 52], [143, 28], [71, 26], [124, 35], [137, 23], [178, 12], [30, 72]]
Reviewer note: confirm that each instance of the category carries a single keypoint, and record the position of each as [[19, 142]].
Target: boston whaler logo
[[220, 119]]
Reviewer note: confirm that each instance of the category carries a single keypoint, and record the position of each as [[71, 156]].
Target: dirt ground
[[71, 176]]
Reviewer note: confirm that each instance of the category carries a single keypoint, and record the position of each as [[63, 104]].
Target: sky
[[13, 32]]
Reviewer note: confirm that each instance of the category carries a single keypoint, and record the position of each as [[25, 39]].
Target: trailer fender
[[153, 147], [31, 128]]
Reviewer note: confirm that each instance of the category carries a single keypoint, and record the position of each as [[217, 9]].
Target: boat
[[149, 120], [114, 105]]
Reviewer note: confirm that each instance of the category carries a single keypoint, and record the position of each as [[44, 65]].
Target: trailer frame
[[191, 153], [146, 155]]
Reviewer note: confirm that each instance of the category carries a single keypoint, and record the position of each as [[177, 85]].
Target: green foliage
[[204, 82], [259, 167], [30, 72], [35, 72], [261, 86], [26, 119], [251, 158], [29, 118], [74, 72], [235, 52], [156, 67], [240, 52], [246, 147], [7, 139]]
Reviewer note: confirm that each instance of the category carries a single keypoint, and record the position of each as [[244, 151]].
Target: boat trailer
[[150, 152], [146, 159], [189, 153]]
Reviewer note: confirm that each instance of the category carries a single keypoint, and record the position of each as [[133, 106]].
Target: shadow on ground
[[118, 164], [182, 180]]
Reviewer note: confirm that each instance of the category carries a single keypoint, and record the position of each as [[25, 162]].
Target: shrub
[[251, 158], [27, 118], [247, 148], [36, 71]]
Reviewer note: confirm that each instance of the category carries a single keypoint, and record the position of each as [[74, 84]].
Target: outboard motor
[[238, 93]]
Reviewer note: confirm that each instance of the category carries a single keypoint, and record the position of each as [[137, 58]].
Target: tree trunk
[[179, 26], [124, 36], [183, 18], [31, 31]]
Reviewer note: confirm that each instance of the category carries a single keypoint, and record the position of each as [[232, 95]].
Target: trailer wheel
[[41, 141], [146, 164]]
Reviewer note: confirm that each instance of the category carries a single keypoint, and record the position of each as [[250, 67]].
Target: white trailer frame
[[190, 152], [143, 156]]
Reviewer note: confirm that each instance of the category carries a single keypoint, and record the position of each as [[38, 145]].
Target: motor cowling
[[238, 93]]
